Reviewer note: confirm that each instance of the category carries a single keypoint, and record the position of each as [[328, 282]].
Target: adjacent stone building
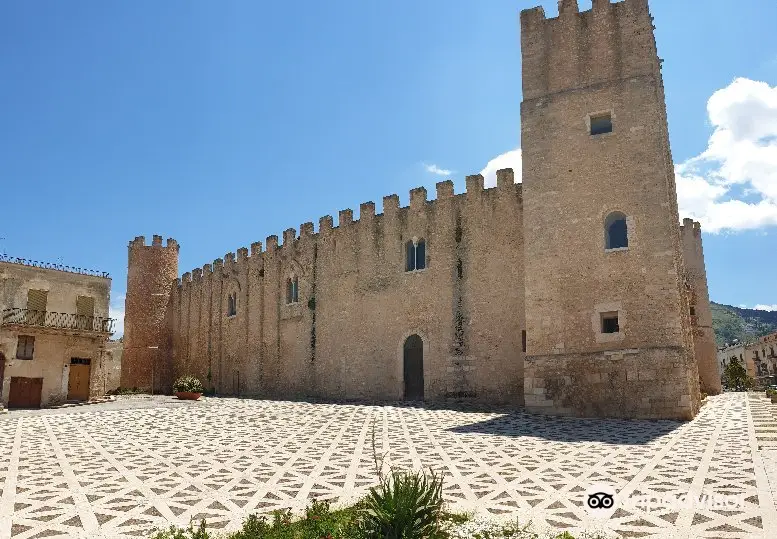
[[759, 358], [53, 329], [572, 293]]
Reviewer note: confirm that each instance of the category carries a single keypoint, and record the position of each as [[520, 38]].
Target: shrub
[[736, 376], [188, 384], [191, 532], [404, 505]]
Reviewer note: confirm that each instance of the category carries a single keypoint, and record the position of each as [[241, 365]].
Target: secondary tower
[[151, 273]]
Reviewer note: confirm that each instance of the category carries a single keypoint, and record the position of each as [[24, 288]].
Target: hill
[[731, 323]]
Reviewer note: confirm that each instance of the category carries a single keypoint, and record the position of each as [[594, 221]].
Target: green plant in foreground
[[188, 384], [191, 532], [404, 505]]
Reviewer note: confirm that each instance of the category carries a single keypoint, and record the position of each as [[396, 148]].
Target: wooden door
[[25, 392], [78, 380]]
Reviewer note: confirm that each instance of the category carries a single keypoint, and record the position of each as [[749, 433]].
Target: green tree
[[736, 376]]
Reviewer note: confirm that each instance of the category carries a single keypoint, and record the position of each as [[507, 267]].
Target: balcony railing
[[48, 319]]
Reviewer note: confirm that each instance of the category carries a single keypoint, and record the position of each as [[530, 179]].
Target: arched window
[[616, 234], [232, 304], [415, 250], [292, 290]]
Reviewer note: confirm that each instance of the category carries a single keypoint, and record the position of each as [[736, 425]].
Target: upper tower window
[[416, 255], [616, 233], [601, 123], [292, 290]]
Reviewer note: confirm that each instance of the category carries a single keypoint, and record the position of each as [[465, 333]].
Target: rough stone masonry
[[567, 293]]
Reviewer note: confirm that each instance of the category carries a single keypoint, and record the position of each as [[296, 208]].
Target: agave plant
[[404, 505]]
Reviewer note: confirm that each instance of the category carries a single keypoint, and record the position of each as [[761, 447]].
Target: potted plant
[[772, 394], [188, 388]]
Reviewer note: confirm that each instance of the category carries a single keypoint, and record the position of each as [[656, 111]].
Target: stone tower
[[151, 273], [608, 329], [704, 345]]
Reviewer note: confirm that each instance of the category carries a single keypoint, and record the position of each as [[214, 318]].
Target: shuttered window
[[36, 299], [25, 347], [85, 306]]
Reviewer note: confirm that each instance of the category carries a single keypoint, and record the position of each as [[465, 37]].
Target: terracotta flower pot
[[774, 399], [187, 395]]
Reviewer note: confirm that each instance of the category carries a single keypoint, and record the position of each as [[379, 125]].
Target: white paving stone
[[121, 469]]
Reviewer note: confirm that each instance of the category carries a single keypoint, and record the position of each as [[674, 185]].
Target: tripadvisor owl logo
[[600, 501]]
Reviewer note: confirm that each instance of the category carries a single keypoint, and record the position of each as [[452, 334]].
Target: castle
[[576, 292]]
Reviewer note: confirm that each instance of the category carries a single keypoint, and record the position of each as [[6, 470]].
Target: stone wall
[[700, 311], [357, 304]]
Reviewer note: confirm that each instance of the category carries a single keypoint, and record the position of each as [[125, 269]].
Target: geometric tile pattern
[[120, 470]]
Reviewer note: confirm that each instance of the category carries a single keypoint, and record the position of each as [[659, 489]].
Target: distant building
[[54, 327], [759, 358]]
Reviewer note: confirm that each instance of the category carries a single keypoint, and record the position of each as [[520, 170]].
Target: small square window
[[601, 123], [693, 311], [610, 322]]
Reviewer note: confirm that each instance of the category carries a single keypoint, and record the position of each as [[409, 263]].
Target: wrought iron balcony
[[49, 319]]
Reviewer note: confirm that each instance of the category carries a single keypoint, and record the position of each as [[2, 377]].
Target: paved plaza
[[121, 469]]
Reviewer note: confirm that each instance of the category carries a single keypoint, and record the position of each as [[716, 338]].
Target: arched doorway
[[414, 368]]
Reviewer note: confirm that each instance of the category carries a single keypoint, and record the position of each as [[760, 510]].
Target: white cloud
[[116, 310], [765, 307], [434, 169], [732, 185], [511, 159]]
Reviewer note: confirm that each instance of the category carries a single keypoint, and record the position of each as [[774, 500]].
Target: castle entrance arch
[[413, 354]]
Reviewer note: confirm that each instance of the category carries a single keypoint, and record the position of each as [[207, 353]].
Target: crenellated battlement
[[140, 241], [418, 203], [690, 226], [611, 41]]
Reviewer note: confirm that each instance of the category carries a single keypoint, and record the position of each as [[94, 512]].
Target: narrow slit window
[[410, 256], [601, 123], [292, 290], [610, 322], [232, 304], [420, 255], [523, 341]]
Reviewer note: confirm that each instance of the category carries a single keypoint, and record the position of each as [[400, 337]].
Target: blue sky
[[220, 123]]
